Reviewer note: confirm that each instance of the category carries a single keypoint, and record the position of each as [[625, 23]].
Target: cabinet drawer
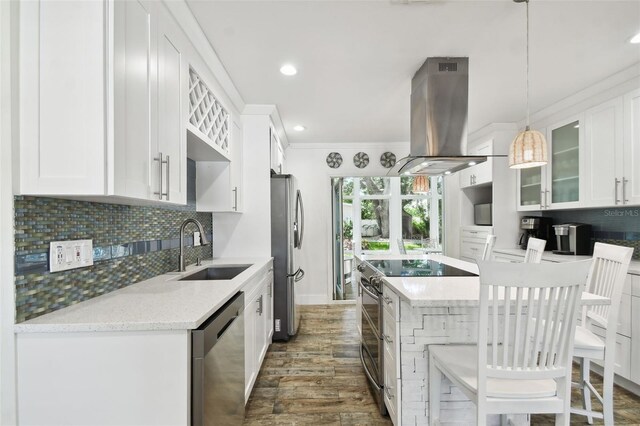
[[390, 302], [391, 401], [477, 233], [471, 250]]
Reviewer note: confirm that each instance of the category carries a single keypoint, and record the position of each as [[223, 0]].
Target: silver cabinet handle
[[624, 190], [542, 199], [235, 198], [259, 302], [615, 190], [166, 194], [159, 160], [387, 300], [387, 339]]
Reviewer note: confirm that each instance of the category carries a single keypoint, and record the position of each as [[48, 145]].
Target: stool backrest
[[527, 319], [606, 278], [488, 247], [535, 249]]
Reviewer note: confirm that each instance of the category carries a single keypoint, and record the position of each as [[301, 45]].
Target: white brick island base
[[419, 327]]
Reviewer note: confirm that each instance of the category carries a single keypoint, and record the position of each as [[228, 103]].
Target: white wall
[[307, 163], [249, 234]]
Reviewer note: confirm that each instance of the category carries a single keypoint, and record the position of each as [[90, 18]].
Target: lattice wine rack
[[206, 113]]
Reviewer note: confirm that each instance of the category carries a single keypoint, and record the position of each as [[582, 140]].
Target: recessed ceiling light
[[407, 173], [472, 163], [299, 128], [577, 126], [635, 39], [288, 69], [447, 172]]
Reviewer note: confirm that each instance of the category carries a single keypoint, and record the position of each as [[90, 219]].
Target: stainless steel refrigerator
[[287, 230]]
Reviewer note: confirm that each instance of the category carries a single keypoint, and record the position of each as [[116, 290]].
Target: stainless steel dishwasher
[[217, 367]]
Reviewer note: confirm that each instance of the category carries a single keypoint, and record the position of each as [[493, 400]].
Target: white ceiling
[[355, 59]]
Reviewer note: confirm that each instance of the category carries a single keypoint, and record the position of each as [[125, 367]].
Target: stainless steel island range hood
[[439, 104]]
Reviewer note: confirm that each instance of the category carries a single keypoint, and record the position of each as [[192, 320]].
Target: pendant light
[[529, 148], [420, 184]]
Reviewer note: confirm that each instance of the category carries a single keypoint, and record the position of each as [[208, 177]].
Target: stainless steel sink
[[216, 273]]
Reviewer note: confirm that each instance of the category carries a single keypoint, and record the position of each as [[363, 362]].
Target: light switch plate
[[65, 255]]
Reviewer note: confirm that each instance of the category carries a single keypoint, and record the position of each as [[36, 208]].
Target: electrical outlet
[[196, 238], [64, 255]]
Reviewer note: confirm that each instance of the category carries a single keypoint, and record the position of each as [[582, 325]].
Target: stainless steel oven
[[370, 293]]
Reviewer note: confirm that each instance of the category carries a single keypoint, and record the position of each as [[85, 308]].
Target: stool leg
[[607, 392], [586, 392]]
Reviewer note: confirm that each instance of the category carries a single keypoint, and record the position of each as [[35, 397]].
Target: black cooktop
[[418, 268]]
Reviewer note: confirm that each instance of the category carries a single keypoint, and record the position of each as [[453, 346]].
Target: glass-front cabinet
[[556, 185]]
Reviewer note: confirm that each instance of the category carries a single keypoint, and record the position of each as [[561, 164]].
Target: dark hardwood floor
[[316, 379]]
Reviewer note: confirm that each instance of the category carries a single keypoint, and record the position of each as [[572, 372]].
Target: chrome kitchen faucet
[[203, 240]]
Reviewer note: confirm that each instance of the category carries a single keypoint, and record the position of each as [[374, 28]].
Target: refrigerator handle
[[297, 275], [299, 219]]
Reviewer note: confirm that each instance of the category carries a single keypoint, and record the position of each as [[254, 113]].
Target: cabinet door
[[563, 172], [631, 183], [135, 85], [268, 307], [603, 160], [274, 148], [172, 110], [235, 179], [531, 189], [63, 102], [635, 339], [220, 190], [251, 369]]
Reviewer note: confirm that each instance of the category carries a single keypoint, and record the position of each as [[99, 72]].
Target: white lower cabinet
[[391, 355], [472, 241], [635, 329], [258, 325]]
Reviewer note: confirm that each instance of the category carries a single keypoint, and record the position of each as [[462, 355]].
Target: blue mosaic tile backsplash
[[131, 244], [619, 225]]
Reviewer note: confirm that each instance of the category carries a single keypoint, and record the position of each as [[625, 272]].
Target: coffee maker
[[537, 227], [573, 238]]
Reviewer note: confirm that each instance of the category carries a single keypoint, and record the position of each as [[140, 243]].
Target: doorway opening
[[381, 215]]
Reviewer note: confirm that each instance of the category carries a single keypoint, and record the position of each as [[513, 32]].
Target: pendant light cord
[[527, 2]]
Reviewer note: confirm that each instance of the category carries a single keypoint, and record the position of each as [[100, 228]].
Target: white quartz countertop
[[446, 291], [634, 266], [159, 303]]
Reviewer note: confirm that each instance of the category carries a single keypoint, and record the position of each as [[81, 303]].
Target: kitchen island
[[419, 311], [125, 357]]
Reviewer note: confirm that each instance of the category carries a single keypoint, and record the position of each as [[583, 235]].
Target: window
[[376, 215]]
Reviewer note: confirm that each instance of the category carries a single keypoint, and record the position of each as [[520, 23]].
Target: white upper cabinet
[[559, 184], [564, 172], [102, 98], [219, 183], [173, 106], [604, 154], [480, 173], [631, 176], [591, 160], [277, 152]]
